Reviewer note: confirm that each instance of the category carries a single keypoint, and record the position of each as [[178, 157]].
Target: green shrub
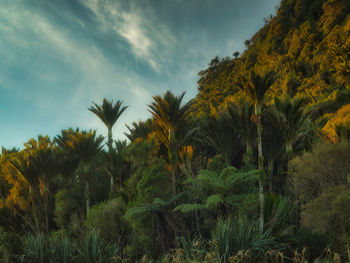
[[107, 219], [217, 163], [314, 242], [9, 246], [155, 182], [66, 207], [280, 214], [311, 174], [330, 214], [193, 249]]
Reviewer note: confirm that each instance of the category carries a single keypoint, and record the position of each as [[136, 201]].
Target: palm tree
[[140, 129], [109, 114], [255, 87], [46, 162], [273, 144], [292, 117], [169, 118], [26, 176], [85, 146], [216, 136], [69, 161], [39, 164], [118, 160], [239, 117]]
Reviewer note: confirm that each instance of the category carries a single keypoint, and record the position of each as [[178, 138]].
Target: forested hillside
[[255, 168], [307, 43]]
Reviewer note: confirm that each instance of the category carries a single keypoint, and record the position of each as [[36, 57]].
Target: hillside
[[307, 43]]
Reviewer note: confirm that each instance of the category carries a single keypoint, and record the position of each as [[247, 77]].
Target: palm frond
[[108, 112], [256, 86], [85, 145]]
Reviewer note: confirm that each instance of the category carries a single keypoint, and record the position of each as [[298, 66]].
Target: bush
[[217, 164], [155, 182], [314, 242], [107, 219], [313, 173], [280, 214], [330, 214], [66, 206], [9, 246]]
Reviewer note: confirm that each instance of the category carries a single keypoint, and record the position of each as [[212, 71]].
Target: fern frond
[[213, 201], [210, 179], [227, 172], [139, 213], [242, 198], [159, 202], [188, 208], [190, 180], [239, 178]]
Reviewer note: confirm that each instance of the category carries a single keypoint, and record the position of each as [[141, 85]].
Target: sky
[[59, 56]]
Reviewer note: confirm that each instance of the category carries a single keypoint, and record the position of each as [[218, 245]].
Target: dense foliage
[[254, 168]]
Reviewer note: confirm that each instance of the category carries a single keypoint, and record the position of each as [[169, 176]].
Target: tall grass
[[95, 250], [44, 249], [36, 249], [229, 237], [63, 251]]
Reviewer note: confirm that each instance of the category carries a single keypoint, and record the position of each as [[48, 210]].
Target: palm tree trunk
[[197, 224], [110, 140], [261, 167], [46, 207], [46, 216], [112, 186], [172, 152], [87, 187], [173, 179], [110, 149], [46, 204], [289, 150], [34, 211], [87, 196], [270, 174], [247, 158]]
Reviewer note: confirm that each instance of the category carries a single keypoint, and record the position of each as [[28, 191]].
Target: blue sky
[[57, 56]]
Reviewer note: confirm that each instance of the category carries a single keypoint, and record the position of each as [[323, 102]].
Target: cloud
[[138, 26]]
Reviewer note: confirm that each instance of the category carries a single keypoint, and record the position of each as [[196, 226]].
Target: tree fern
[[210, 190]]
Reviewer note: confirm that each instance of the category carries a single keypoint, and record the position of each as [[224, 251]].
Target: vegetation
[[255, 168]]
